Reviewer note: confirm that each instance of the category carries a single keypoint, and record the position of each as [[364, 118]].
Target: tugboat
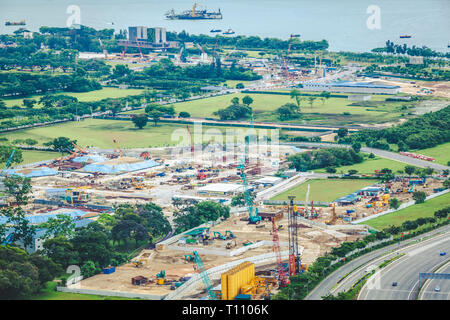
[[229, 31], [194, 14], [15, 23], [405, 37]]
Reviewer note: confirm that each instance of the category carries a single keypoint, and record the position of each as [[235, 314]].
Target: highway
[[428, 290], [405, 271], [326, 286]]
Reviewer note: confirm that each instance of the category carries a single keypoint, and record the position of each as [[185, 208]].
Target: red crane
[[140, 52], [284, 280]]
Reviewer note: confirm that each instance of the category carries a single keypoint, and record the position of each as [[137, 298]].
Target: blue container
[[109, 270], [350, 211]]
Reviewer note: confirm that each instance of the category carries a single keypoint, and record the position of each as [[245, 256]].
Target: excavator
[[231, 244]]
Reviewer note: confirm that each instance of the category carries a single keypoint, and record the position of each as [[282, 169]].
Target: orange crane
[[284, 280], [118, 148], [140, 52], [285, 59]]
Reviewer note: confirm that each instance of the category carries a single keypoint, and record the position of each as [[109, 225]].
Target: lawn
[[49, 293], [441, 153], [95, 95], [329, 112], [368, 166], [30, 156], [324, 190], [414, 212], [101, 133]]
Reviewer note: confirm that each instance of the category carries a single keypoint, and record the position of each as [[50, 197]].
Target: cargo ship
[[14, 23], [405, 37], [194, 14]]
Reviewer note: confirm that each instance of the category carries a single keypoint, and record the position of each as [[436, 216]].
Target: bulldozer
[[140, 262]]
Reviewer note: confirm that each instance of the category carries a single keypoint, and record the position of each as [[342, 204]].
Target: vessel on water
[[229, 31], [15, 23], [405, 37], [215, 30], [194, 14]]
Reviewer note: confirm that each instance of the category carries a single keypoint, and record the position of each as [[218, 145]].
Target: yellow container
[[160, 281]]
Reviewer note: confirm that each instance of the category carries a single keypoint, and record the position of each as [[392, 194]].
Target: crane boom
[[204, 275]]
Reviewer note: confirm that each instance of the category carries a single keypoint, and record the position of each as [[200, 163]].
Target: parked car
[[394, 284], [443, 253], [437, 289]]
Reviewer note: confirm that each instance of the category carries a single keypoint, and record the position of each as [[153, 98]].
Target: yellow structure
[[234, 279]]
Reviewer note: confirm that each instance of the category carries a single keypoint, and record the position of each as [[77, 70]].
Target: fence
[[285, 202]]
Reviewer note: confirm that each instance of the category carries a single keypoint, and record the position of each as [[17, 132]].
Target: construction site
[[250, 255]]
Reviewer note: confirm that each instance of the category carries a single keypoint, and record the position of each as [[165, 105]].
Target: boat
[[229, 31], [194, 14], [15, 23], [405, 36], [216, 30]]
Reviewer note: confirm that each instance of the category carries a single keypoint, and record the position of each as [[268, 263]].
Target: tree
[[61, 251], [239, 200], [297, 96], [311, 100], [352, 172], [29, 103], [342, 132], [419, 196], [184, 114], [62, 225], [240, 86], [92, 243], [235, 101], [6, 151], [330, 169], [247, 100], [409, 170], [63, 144], [394, 203], [140, 121], [155, 115], [356, 146], [446, 184]]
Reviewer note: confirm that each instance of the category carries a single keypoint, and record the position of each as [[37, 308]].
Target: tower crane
[[294, 256], [284, 280], [103, 48], [204, 275], [286, 59], [8, 163], [118, 148]]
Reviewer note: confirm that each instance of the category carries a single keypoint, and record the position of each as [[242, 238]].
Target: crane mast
[[204, 275]]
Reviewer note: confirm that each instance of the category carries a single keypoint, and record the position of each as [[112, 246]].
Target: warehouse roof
[[221, 187], [269, 180]]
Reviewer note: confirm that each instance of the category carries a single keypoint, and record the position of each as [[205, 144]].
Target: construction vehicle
[[334, 217], [138, 186], [103, 48], [229, 234], [189, 258], [140, 262], [231, 244], [204, 275], [118, 148], [145, 155], [76, 195], [218, 235], [161, 277]]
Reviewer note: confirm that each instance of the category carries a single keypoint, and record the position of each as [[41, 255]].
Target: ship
[[15, 23], [229, 31], [405, 37], [216, 30], [194, 14]]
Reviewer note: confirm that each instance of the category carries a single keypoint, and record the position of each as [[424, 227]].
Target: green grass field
[[82, 96], [370, 165], [441, 153], [324, 190], [414, 212], [101, 133], [49, 293], [30, 156], [330, 111]]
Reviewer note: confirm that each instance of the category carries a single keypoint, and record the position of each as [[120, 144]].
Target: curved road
[[405, 271], [428, 290], [326, 286]]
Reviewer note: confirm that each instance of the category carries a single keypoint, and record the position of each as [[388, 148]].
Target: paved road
[[404, 159], [378, 152], [327, 284], [428, 290], [405, 271]]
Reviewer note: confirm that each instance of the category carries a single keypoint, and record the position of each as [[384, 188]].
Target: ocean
[[348, 25]]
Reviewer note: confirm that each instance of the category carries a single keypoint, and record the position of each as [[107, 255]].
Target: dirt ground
[[440, 88]]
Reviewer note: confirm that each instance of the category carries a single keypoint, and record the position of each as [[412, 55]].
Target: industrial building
[[351, 87], [149, 38]]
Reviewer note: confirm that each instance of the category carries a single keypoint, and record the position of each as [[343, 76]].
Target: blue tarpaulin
[[42, 218], [89, 158], [38, 172], [120, 168]]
